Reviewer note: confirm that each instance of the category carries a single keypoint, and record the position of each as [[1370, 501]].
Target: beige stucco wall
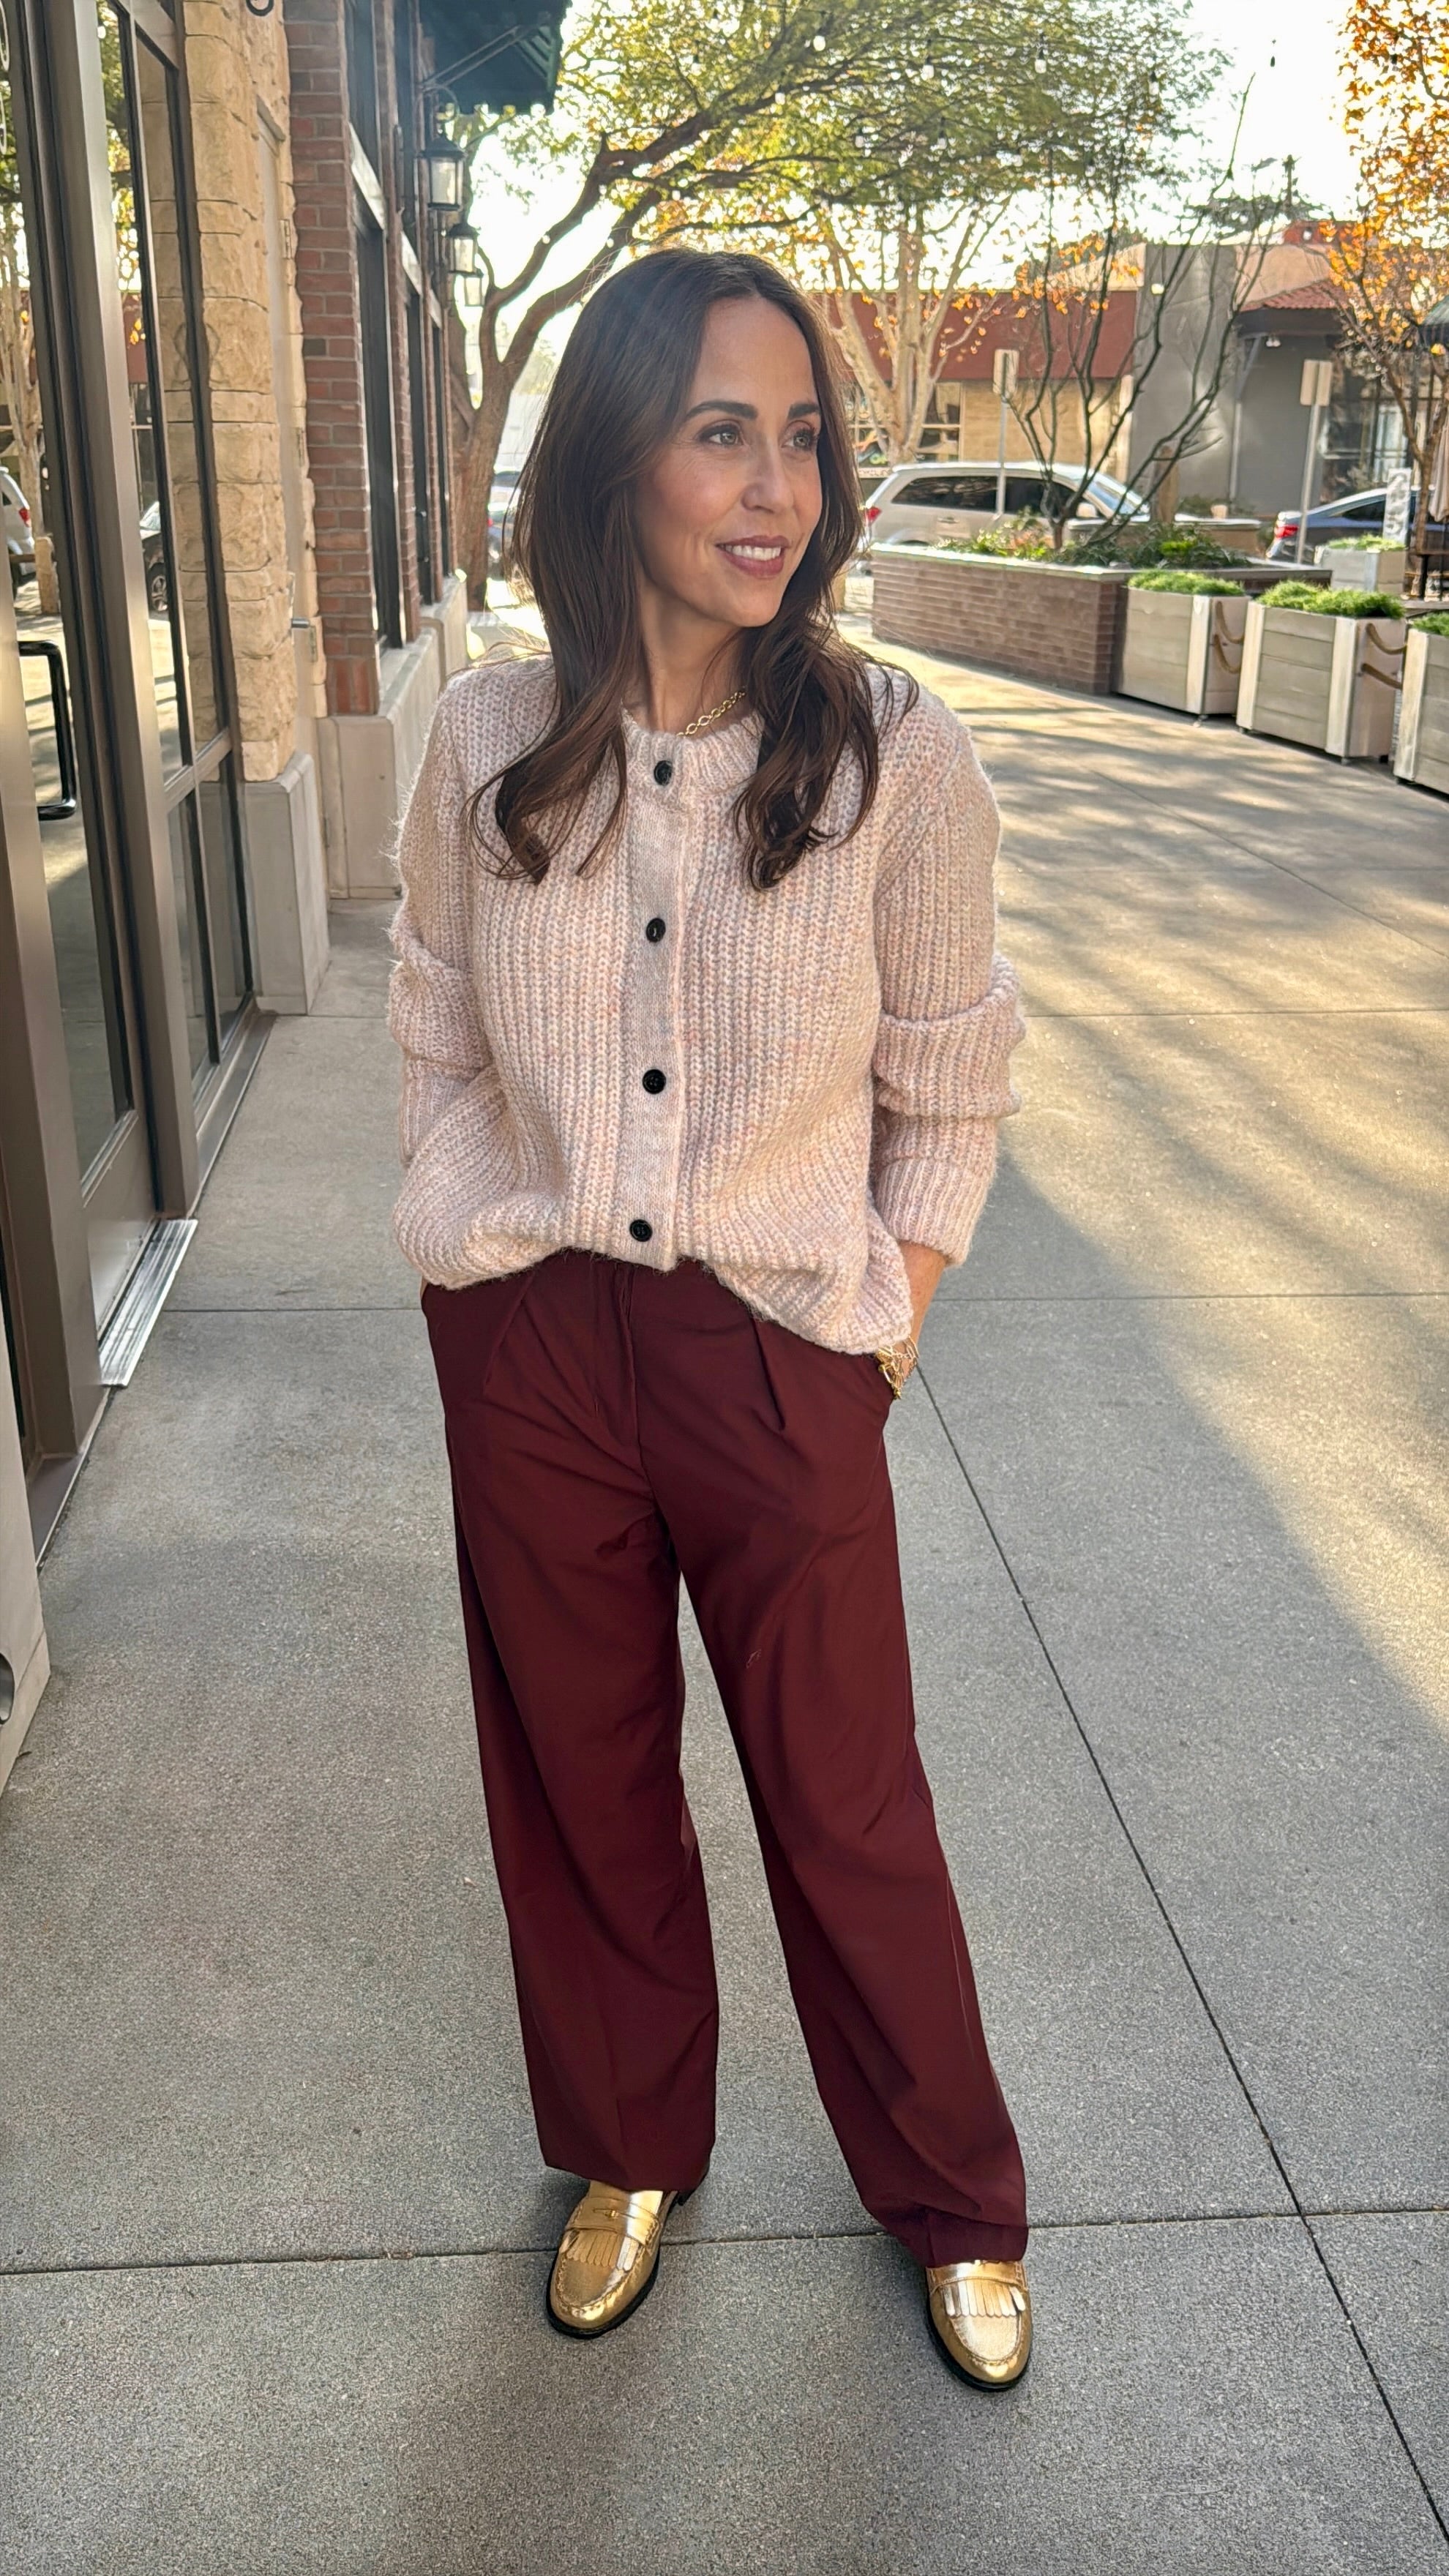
[[236, 67], [964, 420], [981, 412]]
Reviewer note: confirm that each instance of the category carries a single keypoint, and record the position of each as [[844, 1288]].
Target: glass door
[[160, 293], [107, 502], [69, 751]]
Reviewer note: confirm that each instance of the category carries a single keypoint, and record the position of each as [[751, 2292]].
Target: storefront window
[[82, 934], [161, 302], [163, 364]]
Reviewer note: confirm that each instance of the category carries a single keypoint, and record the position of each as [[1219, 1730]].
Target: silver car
[[500, 511], [19, 530], [933, 501]]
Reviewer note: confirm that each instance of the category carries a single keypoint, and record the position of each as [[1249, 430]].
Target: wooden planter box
[[1182, 651], [1356, 568], [1041, 621], [1329, 682], [1422, 756]]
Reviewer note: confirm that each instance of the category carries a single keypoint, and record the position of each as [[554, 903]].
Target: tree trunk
[[478, 461]]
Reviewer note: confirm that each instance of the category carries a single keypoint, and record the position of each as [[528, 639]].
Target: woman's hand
[[923, 1272]]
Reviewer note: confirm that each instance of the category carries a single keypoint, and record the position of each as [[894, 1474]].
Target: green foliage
[[1357, 545], [1194, 585], [1332, 603], [1291, 594], [1436, 623], [1145, 548], [1022, 536]]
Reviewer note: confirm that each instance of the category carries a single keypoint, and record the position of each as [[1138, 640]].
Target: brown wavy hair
[[622, 383]]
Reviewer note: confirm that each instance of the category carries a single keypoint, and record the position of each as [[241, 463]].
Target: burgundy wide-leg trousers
[[610, 1428]]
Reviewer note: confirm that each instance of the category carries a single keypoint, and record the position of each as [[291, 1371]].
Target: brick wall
[[397, 154], [332, 353], [1021, 617]]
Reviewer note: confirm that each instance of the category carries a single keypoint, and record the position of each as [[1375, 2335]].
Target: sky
[[1282, 52], [1287, 50]]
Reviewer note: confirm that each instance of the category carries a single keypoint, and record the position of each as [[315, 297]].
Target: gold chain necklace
[[722, 709]]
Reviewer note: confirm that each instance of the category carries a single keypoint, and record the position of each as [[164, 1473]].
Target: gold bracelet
[[896, 1363]]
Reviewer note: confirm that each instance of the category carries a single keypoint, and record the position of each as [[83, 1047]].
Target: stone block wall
[[236, 67], [1031, 619]]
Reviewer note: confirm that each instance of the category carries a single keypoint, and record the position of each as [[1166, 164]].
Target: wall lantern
[[461, 251], [472, 289], [442, 164]]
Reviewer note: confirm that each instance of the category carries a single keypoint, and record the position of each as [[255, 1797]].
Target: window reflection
[[80, 923], [190, 917], [162, 366], [221, 867]]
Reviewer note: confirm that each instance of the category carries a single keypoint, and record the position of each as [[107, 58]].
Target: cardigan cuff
[[956, 1066], [936, 1200], [432, 1009]]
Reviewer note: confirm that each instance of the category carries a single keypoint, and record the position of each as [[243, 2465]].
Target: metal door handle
[[64, 805]]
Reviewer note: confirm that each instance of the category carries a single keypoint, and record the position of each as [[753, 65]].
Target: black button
[[653, 1080], [663, 772], [655, 929], [640, 1228]]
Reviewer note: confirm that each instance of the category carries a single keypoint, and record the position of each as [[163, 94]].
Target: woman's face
[[725, 510]]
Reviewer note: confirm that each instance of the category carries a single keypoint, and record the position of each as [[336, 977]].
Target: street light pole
[[1003, 378], [1315, 392]]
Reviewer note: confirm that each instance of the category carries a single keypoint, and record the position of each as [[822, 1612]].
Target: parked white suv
[[931, 501]]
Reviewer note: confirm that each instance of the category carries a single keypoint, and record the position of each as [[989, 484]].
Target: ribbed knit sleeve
[[949, 1010], [432, 1001]]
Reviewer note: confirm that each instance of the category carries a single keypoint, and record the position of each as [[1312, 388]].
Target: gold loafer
[[607, 2257], [980, 2315]]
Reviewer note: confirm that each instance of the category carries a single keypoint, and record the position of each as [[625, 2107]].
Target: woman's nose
[[768, 485]]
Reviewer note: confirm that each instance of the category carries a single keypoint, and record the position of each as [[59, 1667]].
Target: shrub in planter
[[1023, 536], [1322, 667], [1332, 603], [1182, 641], [1186, 585], [1149, 548], [1422, 753]]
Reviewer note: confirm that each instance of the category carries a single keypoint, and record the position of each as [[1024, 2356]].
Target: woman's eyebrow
[[744, 410]]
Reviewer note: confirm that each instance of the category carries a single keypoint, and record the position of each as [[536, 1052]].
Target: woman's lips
[[762, 558]]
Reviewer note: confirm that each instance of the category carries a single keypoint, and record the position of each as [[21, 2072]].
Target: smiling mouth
[[761, 556]]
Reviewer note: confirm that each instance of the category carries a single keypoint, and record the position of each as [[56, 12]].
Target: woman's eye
[[723, 432]]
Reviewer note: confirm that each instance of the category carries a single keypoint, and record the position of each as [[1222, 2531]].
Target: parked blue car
[[1358, 514]]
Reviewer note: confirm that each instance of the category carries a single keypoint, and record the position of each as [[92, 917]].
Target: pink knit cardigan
[[655, 1061]]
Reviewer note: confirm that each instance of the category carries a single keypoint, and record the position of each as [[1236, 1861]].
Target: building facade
[[226, 293]]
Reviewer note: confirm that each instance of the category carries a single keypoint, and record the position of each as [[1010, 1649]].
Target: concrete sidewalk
[[274, 2229]]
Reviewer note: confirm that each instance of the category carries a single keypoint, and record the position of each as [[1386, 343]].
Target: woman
[[705, 1045]]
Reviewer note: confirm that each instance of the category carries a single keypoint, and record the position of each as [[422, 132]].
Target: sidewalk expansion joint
[[487, 2251]]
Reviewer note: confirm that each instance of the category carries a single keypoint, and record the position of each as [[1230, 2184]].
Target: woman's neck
[[689, 665]]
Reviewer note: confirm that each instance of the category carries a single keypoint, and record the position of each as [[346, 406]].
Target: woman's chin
[[752, 602]]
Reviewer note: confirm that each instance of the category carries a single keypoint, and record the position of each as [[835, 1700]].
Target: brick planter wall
[[1028, 618]]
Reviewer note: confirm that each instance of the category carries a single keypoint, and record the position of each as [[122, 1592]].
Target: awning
[[494, 53]]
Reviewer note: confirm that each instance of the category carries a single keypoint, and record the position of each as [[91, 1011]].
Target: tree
[[1117, 326], [884, 211], [658, 103], [1390, 262], [981, 112]]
